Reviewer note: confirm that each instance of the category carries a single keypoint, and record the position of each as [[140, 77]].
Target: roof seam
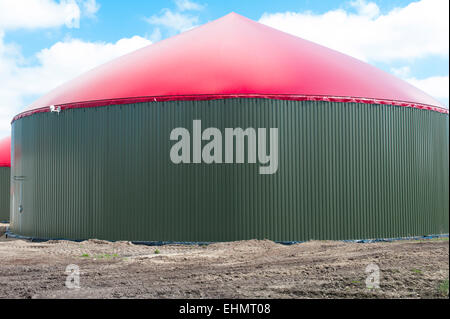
[[206, 97]]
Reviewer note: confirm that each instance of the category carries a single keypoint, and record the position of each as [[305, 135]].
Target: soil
[[242, 269]]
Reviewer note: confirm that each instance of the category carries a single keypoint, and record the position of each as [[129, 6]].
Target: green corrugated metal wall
[[5, 189], [346, 171]]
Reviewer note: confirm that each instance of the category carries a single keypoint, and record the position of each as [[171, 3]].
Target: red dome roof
[[5, 152], [234, 57]]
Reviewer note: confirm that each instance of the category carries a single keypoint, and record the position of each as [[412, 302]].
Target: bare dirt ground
[[243, 269]]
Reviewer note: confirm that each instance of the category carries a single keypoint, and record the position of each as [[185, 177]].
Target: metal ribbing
[[5, 176], [346, 171]]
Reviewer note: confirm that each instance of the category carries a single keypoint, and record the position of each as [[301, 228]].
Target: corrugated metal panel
[[346, 171], [5, 176]]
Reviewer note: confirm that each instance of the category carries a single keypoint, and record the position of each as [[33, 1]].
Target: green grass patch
[[443, 288], [157, 251]]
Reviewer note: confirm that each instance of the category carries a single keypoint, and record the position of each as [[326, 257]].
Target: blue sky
[[120, 19], [44, 43]]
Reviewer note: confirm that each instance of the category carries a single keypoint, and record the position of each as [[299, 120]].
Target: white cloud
[[186, 5], [175, 21], [363, 8], [90, 8], [57, 64], [156, 35], [31, 14], [401, 72], [418, 30]]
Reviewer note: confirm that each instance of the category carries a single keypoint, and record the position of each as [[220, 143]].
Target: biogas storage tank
[[230, 131], [5, 177]]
